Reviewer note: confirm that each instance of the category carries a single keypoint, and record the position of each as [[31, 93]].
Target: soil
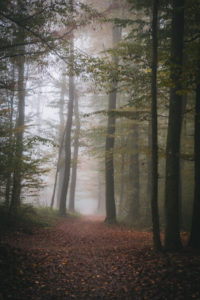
[[87, 259]]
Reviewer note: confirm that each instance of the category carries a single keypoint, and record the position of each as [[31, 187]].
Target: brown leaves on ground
[[85, 259]]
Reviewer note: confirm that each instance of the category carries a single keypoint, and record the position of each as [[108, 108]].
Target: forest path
[[86, 259]]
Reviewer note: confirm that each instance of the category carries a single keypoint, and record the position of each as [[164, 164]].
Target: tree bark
[[75, 157], [110, 141], [10, 154], [147, 213], [154, 186], [61, 144], [18, 157], [172, 230], [67, 160], [194, 240], [59, 167], [134, 185], [121, 195]]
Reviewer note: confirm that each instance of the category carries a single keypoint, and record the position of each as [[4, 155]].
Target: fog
[[86, 120]]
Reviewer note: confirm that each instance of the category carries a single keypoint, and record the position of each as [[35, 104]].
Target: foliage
[[26, 218]]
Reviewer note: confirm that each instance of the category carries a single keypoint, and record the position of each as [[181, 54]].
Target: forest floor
[[86, 259]]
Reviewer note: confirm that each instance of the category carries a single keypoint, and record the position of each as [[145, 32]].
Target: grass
[[28, 217]]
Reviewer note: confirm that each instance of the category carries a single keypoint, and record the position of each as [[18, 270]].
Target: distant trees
[[166, 72], [30, 31], [151, 67]]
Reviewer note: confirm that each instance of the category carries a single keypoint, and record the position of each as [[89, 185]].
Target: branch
[[34, 34], [21, 54]]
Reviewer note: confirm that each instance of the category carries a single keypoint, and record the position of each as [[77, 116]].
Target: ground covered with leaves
[[86, 259]]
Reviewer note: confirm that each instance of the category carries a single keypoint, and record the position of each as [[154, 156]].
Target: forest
[[100, 149]]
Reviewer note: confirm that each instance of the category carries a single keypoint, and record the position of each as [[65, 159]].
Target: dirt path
[[85, 259]]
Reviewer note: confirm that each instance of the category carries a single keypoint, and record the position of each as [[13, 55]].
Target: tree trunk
[[10, 155], [134, 186], [18, 159], [172, 231], [110, 141], [147, 212], [61, 131], [101, 193], [67, 160], [121, 195], [194, 236], [59, 168], [154, 189], [75, 157]]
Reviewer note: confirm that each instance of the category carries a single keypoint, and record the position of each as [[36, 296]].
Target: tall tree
[[110, 141], [154, 187], [18, 158], [60, 167], [67, 160], [134, 184], [75, 156], [61, 130], [172, 230], [194, 236]]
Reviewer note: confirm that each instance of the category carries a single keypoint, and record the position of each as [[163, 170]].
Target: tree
[[18, 159], [154, 189], [110, 141], [134, 174], [172, 230], [60, 167], [75, 156], [194, 236], [67, 160]]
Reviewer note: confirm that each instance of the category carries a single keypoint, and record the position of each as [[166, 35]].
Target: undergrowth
[[28, 217]]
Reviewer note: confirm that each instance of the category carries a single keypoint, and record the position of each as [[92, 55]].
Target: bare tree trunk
[[10, 155], [61, 130], [75, 156], [101, 193], [194, 236], [134, 186], [121, 195], [67, 161], [147, 213], [59, 167], [18, 158], [110, 141], [154, 190], [172, 231]]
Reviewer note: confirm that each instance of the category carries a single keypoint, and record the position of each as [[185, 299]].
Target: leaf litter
[[86, 259]]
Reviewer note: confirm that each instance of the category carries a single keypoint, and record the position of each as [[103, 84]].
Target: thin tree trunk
[[61, 130], [18, 159], [75, 157], [134, 186], [67, 162], [154, 190], [194, 236], [101, 193], [59, 166], [110, 141], [121, 195], [172, 231], [147, 213], [10, 155]]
